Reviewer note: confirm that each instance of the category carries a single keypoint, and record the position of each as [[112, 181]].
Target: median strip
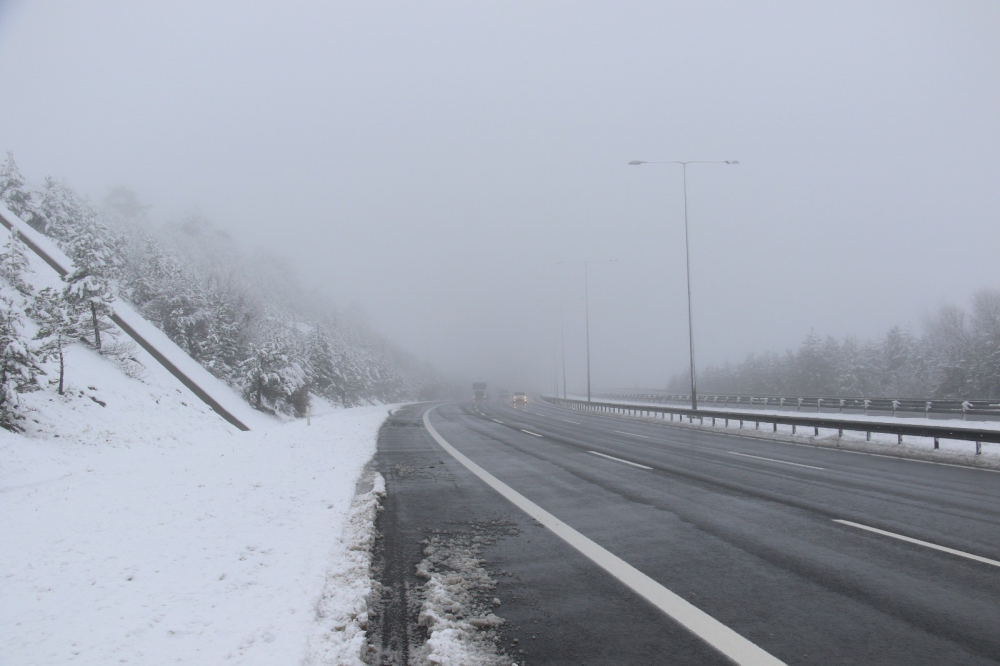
[[627, 462], [701, 624], [783, 462], [943, 549]]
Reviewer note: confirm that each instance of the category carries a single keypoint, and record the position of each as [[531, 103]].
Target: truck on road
[[479, 393]]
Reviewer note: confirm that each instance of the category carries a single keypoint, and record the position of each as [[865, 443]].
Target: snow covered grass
[[148, 530]]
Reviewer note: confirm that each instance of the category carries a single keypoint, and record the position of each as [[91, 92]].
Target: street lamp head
[[636, 163], [732, 161]]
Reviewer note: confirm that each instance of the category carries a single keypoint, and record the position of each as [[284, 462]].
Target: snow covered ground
[[139, 527]]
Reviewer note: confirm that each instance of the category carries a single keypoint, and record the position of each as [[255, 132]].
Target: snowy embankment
[[959, 451], [46, 271], [139, 527]]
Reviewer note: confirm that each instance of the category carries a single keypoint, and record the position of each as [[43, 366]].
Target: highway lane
[[952, 506], [745, 530], [952, 502], [558, 607]]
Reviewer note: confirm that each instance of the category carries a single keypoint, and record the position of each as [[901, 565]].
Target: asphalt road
[[743, 529]]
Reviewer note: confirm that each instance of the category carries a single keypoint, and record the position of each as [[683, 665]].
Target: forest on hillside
[[956, 355], [244, 317]]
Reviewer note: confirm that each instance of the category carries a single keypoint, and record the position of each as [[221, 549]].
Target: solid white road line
[[697, 621], [495, 421], [622, 432], [532, 433], [783, 462], [619, 460], [944, 549]]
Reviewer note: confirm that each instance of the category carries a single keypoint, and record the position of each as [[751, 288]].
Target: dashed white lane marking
[[622, 432], [568, 421], [783, 462], [532, 433], [627, 462], [495, 421], [697, 621], [944, 549]]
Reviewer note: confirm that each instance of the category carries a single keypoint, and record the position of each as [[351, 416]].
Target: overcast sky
[[433, 160]]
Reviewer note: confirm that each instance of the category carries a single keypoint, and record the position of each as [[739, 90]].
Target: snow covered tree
[[57, 328], [269, 375], [14, 263], [13, 190], [57, 209], [19, 366], [984, 369], [88, 285]]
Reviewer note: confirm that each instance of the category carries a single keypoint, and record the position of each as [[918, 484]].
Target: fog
[[433, 161]]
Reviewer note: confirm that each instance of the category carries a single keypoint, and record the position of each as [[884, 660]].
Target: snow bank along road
[[791, 553]]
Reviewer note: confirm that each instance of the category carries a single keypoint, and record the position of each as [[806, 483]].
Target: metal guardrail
[[819, 403], [937, 433]]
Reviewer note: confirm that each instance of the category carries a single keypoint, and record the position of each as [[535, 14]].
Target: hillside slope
[[140, 527]]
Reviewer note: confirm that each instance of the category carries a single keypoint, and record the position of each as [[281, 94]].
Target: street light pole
[[562, 340], [586, 296], [687, 260], [555, 354], [586, 300]]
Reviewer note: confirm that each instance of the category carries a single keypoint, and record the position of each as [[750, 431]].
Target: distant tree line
[[955, 356], [244, 318]]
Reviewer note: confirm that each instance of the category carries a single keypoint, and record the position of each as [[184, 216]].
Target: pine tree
[[14, 263], [19, 367], [270, 376], [57, 328], [13, 190], [88, 285], [58, 210]]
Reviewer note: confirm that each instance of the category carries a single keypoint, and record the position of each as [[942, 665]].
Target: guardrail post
[[793, 429], [713, 421], [869, 436], [775, 424], [867, 402], [842, 401], [756, 425], [927, 409], [965, 409], [800, 404], [781, 403], [819, 405], [840, 433], [895, 406], [979, 448], [741, 424], [899, 439], [727, 423], [817, 432], [936, 443]]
